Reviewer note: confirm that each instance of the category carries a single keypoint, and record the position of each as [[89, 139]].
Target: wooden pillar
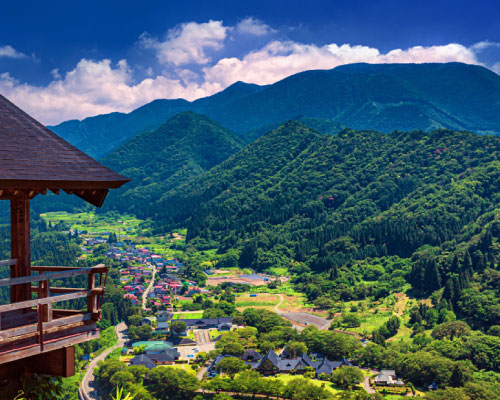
[[20, 245]]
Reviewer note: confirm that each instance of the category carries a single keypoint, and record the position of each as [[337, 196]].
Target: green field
[[190, 315]]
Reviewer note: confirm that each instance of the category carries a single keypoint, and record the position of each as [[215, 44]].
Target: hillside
[[295, 194], [183, 147], [383, 97]]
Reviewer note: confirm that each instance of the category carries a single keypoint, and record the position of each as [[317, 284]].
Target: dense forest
[[297, 196], [184, 147]]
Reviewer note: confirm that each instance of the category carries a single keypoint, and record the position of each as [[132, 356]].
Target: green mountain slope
[[183, 147], [383, 97], [295, 194]]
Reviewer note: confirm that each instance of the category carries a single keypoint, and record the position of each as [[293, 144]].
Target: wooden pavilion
[[34, 337]]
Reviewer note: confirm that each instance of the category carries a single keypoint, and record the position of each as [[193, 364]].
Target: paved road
[[86, 390], [367, 385], [151, 284], [304, 319]]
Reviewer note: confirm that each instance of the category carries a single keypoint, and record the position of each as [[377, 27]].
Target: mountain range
[[383, 97]]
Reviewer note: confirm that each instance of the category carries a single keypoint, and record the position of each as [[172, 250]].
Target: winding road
[[87, 391], [151, 284]]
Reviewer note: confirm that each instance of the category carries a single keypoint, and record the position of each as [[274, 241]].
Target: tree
[[178, 327], [351, 320], [295, 349], [231, 366], [450, 330], [346, 377], [171, 384], [233, 349]]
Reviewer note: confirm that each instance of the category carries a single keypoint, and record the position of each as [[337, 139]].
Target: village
[[183, 339]]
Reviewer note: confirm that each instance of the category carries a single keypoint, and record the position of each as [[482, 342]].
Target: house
[[433, 386], [222, 323], [162, 327], [387, 377], [143, 359], [268, 365], [154, 346], [212, 368], [251, 355]]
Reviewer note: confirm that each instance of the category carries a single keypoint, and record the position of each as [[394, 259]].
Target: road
[[305, 319], [276, 307], [87, 391], [367, 385], [151, 284]]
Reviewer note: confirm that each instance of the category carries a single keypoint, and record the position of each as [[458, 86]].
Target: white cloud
[[253, 26], [91, 88], [278, 60], [485, 44], [496, 68], [10, 52], [187, 43]]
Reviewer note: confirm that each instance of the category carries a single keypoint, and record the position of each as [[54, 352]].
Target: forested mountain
[[184, 147], [384, 97], [323, 200]]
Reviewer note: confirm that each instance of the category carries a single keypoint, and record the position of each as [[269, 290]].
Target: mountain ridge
[[383, 97]]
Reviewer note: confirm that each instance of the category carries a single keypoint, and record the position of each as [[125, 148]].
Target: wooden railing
[[49, 320]]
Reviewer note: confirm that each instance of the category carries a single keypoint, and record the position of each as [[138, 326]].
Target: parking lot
[[189, 352]]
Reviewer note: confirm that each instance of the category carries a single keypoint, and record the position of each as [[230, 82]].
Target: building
[[34, 161], [143, 359], [222, 323], [387, 377], [272, 364]]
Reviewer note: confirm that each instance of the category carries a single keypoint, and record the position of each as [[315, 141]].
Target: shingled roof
[[35, 158]]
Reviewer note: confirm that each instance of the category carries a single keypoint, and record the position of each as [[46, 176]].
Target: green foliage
[[362, 96], [182, 148], [231, 366], [347, 377]]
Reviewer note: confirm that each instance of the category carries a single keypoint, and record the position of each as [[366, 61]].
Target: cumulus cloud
[[8, 51], [187, 43], [278, 60], [91, 88], [253, 26]]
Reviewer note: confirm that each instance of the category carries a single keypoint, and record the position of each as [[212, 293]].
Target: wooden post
[[91, 298], [46, 308], [20, 245]]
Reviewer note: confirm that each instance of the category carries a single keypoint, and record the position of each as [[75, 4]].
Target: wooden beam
[[84, 334], [7, 262], [58, 362], [60, 290], [54, 275], [48, 300], [20, 245], [58, 323], [39, 268]]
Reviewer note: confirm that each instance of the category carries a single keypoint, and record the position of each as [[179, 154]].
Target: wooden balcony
[[34, 328]]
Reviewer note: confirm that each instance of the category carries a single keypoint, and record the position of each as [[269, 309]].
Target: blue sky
[[63, 60]]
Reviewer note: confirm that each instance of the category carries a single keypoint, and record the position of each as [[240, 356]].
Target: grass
[[193, 315], [185, 367], [255, 303], [286, 378], [96, 223], [213, 333]]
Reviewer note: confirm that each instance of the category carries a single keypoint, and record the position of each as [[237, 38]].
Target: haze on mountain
[[384, 97]]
